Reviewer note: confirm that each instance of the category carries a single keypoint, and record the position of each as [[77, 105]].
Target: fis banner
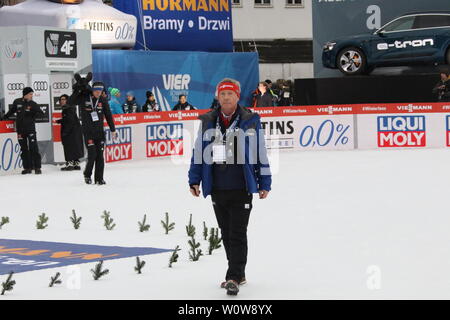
[[169, 74], [181, 25], [25, 255]]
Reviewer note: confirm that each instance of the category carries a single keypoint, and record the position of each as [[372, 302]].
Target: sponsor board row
[[152, 139]]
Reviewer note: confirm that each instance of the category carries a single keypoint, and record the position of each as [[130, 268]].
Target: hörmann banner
[[183, 25]]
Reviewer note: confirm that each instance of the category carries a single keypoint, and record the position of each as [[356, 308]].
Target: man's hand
[[195, 190], [263, 194], [115, 135]]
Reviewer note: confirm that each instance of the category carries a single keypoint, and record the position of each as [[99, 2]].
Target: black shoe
[[76, 167], [100, 182], [37, 171], [68, 167], [232, 287], [88, 180], [26, 171]]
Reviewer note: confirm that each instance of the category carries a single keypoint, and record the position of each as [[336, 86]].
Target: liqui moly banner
[[121, 148], [164, 139]]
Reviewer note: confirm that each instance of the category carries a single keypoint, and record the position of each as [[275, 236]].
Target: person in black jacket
[[264, 98], [71, 135], [150, 104], [183, 104], [93, 112], [26, 111], [131, 105], [442, 88]]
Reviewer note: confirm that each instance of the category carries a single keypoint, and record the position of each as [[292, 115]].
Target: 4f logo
[[68, 46], [60, 44]]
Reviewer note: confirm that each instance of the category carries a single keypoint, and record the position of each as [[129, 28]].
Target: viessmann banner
[[182, 25]]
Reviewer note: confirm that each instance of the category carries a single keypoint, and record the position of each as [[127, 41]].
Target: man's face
[[183, 99], [262, 88], [130, 98], [97, 93], [29, 96], [443, 76], [228, 100]]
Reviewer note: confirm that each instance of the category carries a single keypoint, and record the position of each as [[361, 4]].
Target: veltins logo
[[25, 255], [121, 148], [164, 140], [401, 131]]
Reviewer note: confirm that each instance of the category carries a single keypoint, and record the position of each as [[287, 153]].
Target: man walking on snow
[[230, 161]]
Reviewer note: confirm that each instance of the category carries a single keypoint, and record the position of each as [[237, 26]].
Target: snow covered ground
[[353, 224]]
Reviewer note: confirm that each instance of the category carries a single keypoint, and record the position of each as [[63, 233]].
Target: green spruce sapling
[[174, 256], [98, 272], [143, 226], [205, 231], [75, 220], [55, 280], [8, 285], [4, 221], [190, 229], [195, 252], [214, 240], [42, 222], [108, 221], [139, 265], [166, 225]]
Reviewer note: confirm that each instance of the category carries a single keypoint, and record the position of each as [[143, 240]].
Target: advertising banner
[[10, 161], [169, 74], [343, 24], [13, 84], [187, 25], [25, 255]]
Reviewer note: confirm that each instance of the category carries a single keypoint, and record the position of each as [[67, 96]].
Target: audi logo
[[15, 86], [40, 85], [60, 85]]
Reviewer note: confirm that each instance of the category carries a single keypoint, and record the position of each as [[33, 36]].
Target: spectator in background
[[442, 89], [264, 98], [150, 104], [114, 103], [131, 105], [183, 104], [71, 135], [26, 111], [272, 90], [285, 99]]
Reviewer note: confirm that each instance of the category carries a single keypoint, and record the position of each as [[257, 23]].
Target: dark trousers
[[232, 209], [31, 159], [95, 149]]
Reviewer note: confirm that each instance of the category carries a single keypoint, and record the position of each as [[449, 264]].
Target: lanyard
[[96, 103], [230, 129]]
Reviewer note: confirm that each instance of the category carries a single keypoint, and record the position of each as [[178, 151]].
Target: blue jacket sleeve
[[263, 173], [195, 170]]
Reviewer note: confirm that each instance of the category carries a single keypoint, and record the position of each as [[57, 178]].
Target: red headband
[[229, 86]]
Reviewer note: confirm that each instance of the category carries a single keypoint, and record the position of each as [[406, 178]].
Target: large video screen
[[380, 37]]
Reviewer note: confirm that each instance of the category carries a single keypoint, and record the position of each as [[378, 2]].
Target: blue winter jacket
[[115, 106], [256, 172]]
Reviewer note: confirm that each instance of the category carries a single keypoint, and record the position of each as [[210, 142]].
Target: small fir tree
[[190, 229], [174, 257], [205, 231], [108, 221], [195, 252], [41, 223], [76, 221], [139, 265], [8, 285], [143, 226], [4, 221], [98, 272], [55, 280], [214, 240], [167, 225]]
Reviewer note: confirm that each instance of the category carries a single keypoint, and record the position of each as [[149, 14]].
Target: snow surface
[[333, 221]]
